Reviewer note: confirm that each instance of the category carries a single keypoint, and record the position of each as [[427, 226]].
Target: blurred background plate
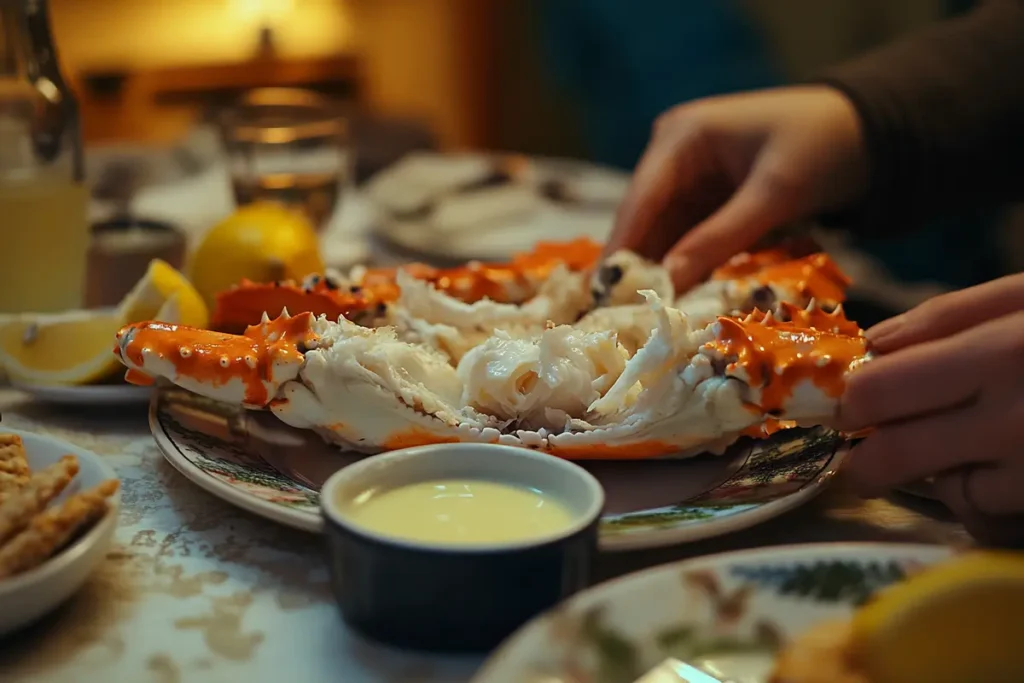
[[94, 395], [458, 207]]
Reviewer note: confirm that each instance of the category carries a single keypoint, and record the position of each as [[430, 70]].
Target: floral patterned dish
[[726, 614], [254, 461]]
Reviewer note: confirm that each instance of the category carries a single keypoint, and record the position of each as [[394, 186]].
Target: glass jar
[[290, 146], [44, 235]]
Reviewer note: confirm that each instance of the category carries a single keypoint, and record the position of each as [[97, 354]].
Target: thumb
[[756, 208]]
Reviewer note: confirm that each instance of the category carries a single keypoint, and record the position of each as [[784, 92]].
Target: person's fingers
[[665, 188], [899, 454], [761, 204], [948, 314], [648, 194], [677, 184], [968, 499], [996, 490], [922, 379]]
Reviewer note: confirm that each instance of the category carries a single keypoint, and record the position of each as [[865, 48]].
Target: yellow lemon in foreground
[[263, 242], [75, 347], [961, 621]]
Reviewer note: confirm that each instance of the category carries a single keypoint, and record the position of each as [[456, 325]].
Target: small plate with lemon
[[814, 613], [67, 357]]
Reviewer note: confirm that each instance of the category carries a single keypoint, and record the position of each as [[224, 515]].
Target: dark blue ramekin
[[455, 597]]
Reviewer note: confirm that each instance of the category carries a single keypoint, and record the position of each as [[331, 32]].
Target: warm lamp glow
[[262, 11], [140, 35]]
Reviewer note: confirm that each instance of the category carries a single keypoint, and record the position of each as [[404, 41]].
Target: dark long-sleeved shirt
[[943, 117]]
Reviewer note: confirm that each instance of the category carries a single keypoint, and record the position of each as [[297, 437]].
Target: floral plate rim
[[768, 570], [714, 512]]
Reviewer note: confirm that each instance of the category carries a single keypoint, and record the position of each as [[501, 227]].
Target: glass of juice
[[290, 146], [44, 235]]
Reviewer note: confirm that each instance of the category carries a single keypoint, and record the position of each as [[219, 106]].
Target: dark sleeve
[[943, 117]]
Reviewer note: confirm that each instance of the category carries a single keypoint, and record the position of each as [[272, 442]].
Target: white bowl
[[27, 597]]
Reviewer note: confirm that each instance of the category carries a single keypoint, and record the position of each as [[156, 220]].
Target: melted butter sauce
[[779, 356], [464, 512]]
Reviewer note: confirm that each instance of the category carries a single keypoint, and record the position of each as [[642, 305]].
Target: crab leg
[[245, 369], [734, 377], [573, 393]]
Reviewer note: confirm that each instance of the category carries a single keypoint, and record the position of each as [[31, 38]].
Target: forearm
[[943, 116]]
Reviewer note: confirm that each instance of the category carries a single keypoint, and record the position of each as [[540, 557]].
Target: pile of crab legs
[[556, 350]]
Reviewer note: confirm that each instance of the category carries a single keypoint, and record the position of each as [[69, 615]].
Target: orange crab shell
[[244, 305], [511, 282], [813, 317], [776, 356], [813, 275]]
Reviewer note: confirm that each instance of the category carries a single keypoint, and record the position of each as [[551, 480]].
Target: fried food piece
[[49, 531], [18, 509], [821, 655], [14, 472]]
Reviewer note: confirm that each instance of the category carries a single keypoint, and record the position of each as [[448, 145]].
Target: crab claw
[[244, 369], [795, 370]]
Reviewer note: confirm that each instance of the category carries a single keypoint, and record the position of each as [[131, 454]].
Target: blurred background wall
[[479, 72], [553, 77]]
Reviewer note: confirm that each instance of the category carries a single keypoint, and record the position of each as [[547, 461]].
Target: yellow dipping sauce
[[460, 511]]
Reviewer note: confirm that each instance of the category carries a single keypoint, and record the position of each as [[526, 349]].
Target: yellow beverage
[[44, 240]]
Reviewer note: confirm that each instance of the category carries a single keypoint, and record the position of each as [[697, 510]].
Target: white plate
[[729, 612], [254, 461], [27, 597], [89, 395]]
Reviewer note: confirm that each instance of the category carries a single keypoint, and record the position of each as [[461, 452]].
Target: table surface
[[195, 590]]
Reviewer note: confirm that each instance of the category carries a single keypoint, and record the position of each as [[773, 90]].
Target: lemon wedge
[[75, 347], [161, 284], [262, 242], [961, 621]]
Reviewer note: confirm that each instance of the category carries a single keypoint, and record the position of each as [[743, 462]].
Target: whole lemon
[[263, 242]]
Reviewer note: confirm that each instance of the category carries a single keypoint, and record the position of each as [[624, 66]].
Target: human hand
[[721, 172], [946, 399]]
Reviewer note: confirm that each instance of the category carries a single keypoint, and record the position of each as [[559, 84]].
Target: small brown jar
[[120, 250]]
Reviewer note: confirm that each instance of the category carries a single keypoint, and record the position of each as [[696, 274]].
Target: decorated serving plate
[[254, 461], [726, 614]]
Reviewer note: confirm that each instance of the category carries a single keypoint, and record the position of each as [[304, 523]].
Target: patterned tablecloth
[[196, 591]]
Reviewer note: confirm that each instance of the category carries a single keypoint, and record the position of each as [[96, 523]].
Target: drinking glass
[[289, 146]]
